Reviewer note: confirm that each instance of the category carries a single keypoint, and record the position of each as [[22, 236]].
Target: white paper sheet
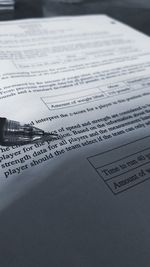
[[87, 78]]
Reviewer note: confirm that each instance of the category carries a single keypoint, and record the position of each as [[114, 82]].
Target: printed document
[[86, 78], [82, 200]]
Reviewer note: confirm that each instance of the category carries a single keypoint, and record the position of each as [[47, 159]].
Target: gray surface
[[76, 222]]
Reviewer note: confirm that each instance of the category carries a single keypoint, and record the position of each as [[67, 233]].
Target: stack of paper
[[6, 4]]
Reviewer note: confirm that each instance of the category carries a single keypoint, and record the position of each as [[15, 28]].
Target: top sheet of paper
[[86, 78]]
